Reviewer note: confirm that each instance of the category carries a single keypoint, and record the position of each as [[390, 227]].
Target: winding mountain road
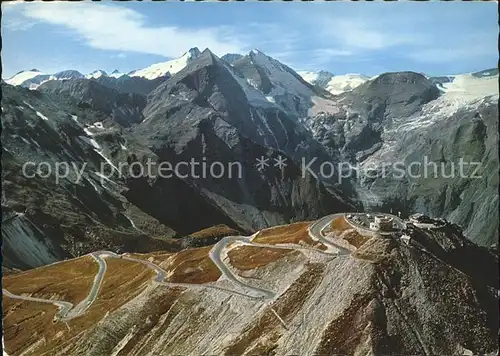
[[316, 233], [217, 254], [81, 307], [64, 307]]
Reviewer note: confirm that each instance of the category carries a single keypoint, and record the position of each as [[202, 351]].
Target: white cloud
[[120, 55], [111, 27], [372, 33], [332, 52], [366, 33], [17, 24], [347, 35], [457, 49], [12, 20], [368, 36], [313, 59]]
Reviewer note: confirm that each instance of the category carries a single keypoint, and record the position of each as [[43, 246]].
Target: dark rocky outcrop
[[124, 108]]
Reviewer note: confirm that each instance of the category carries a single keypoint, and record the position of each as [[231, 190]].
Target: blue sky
[[341, 37]]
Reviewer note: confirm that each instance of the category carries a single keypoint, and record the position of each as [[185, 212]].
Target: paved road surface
[[316, 233], [215, 256], [64, 307], [67, 311]]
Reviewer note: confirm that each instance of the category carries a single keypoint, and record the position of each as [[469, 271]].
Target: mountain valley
[[266, 254]]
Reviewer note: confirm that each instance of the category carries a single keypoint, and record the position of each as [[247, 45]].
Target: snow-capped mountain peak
[[231, 57], [342, 83], [192, 53], [22, 76], [96, 74], [256, 52], [335, 84], [116, 74], [173, 66], [320, 78], [67, 74]]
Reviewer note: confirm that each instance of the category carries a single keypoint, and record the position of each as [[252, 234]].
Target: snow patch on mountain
[[309, 77], [108, 161], [116, 74], [160, 69], [40, 115], [34, 78], [90, 141], [29, 105], [320, 78], [95, 126], [23, 76], [96, 74], [466, 91], [472, 87], [347, 82], [334, 84]]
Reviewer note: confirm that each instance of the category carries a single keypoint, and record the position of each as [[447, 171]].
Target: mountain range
[[105, 257], [238, 110]]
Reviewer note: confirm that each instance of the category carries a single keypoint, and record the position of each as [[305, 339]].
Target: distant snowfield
[[339, 83], [309, 77], [19, 78], [347, 82], [160, 69], [117, 74], [96, 74], [465, 91], [471, 87]]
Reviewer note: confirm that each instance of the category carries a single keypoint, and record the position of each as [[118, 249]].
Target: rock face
[[463, 197], [131, 85], [393, 95], [208, 111], [436, 295], [79, 212], [364, 113], [231, 57], [403, 121], [125, 108], [25, 246]]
